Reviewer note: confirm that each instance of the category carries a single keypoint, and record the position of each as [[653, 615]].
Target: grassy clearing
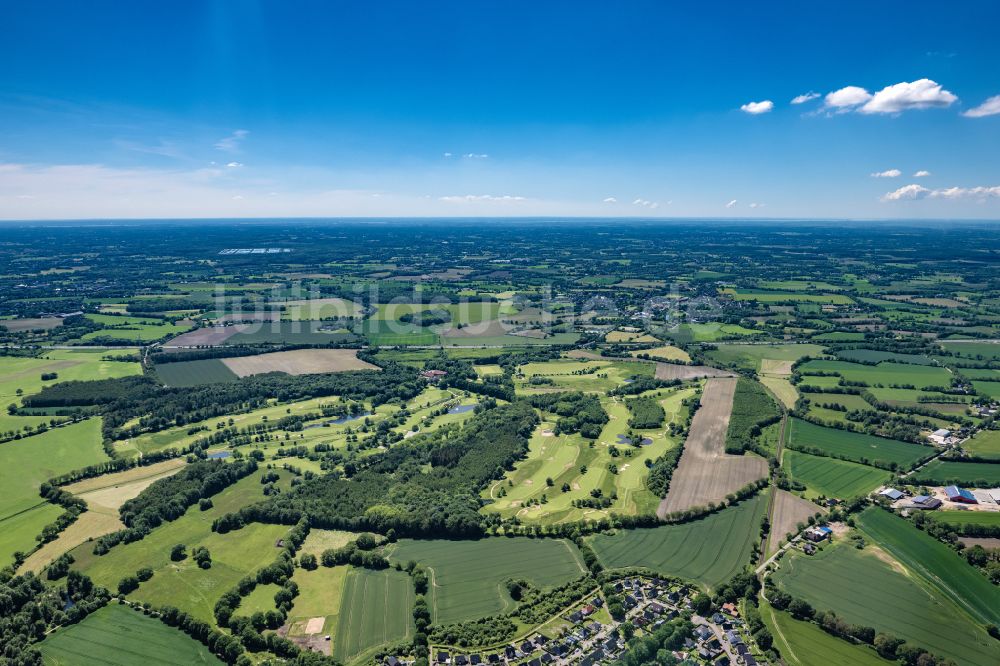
[[320, 595], [195, 373], [940, 566], [375, 609], [805, 644], [854, 446], [119, 635], [26, 373], [710, 550], [858, 585], [20, 530], [468, 576], [942, 472], [830, 477], [884, 373]]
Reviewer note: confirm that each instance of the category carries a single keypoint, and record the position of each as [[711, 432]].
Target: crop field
[[709, 550], [138, 329], [943, 472], [579, 375], [183, 584], [668, 352], [630, 336], [782, 389], [467, 576], [288, 332], [195, 373], [468, 312], [712, 332], [989, 351], [830, 477], [320, 594], [375, 609], [873, 356], [670, 371], [847, 400], [856, 585], [762, 296], [989, 518], [31, 323], [119, 635], [26, 373], [884, 373], [561, 457], [940, 566], [788, 511], [991, 389], [320, 308], [753, 356], [855, 446], [89, 525], [210, 336], [298, 362], [803, 643], [705, 473], [25, 464]]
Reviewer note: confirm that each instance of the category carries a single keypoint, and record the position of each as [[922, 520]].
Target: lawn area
[[25, 464], [320, 594], [375, 609], [709, 550], [858, 584], [885, 373], [939, 566], [831, 477], [855, 446], [116, 634], [183, 584], [805, 644], [467, 576], [943, 472], [195, 373], [26, 373]]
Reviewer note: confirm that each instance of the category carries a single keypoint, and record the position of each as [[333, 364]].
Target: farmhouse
[[818, 533], [940, 436], [433, 375], [956, 494]]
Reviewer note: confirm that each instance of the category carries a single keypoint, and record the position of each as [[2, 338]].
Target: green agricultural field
[[119, 635], [195, 373], [138, 329], [320, 594], [939, 566], [831, 477], [991, 389], [942, 472], [25, 464], [839, 336], [579, 375], [987, 518], [709, 550], [183, 584], [26, 373], [712, 332], [291, 332], [510, 341], [858, 584], [763, 296], [885, 373], [802, 643], [467, 576], [981, 373], [376, 609], [847, 400], [873, 356], [471, 312], [855, 446], [987, 351], [750, 356]]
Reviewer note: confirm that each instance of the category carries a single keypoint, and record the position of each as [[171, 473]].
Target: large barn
[[956, 494]]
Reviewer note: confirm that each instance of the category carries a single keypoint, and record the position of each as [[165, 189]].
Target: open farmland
[[375, 609], [320, 308], [987, 518], [830, 477], [132, 329], [705, 473], [668, 371], [802, 643], [709, 550], [467, 576], [938, 565], [25, 373], [763, 358], [943, 472], [298, 362], [578, 375], [885, 373], [287, 332], [195, 373], [854, 446], [787, 512], [207, 336], [119, 635], [320, 593], [855, 584]]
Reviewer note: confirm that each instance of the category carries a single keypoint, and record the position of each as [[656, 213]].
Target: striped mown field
[[376, 608]]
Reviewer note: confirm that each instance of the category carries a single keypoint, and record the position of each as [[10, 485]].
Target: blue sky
[[292, 108]]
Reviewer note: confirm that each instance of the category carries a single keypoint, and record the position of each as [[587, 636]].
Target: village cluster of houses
[[586, 641]]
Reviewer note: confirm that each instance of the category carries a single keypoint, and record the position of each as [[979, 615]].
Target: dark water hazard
[[219, 455], [341, 421], [461, 409], [622, 439]]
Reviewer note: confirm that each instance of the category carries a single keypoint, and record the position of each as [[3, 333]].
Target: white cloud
[[475, 156], [480, 197], [231, 143], [731, 203], [807, 97], [911, 192], [447, 154], [234, 165], [921, 174], [990, 107], [846, 98], [237, 197], [646, 204], [919, 94], [756, 108], [610, 200], [757, 205], [888, 173]]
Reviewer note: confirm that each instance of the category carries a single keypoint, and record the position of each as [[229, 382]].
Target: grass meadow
[[885, 373], [117, 634], [82, 365], [468, 576], [709, 550], [831, 477], [195, 373], [803, 643], [855, 446], [375, 609], [942, 472]]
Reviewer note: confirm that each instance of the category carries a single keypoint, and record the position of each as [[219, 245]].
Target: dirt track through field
[[673, 371], [705, 472]]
